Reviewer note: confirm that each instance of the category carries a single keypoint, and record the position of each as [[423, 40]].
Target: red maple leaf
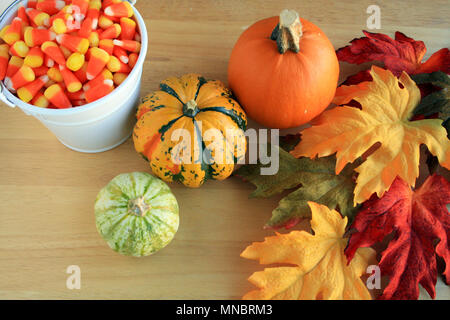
[[399, 54], [416, 219]]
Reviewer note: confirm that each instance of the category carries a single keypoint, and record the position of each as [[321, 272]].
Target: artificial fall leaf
[[402, 54], [417, 218], [387, 104], [319, 267], [318, 183]]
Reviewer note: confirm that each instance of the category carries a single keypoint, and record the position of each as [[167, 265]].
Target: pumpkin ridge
[[168, 89], [241, 123], [204, 166], [201, 82], [167, 126]]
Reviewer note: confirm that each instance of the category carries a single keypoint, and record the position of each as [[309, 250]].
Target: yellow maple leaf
[[387, 105], [320, 268]]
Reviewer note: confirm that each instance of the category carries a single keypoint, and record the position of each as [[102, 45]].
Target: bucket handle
[[4, 98]]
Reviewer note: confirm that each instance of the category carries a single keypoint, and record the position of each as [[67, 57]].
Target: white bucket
[[95, 127]]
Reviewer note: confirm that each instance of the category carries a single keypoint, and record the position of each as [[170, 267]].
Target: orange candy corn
[[27, 92], [99, 91], [129, 45], [38, 17], [4, 60], [79, 95], [128, 29], [50, 6], [121, 54], [40, 71], [93, 12], [48, 62], [13, 32], [81, 73], [70, 80], [132, 59], [107, 45], [40, 100], [34, 58], [19, 49], [94, 39], [57, 97], [111, 32], [115, 65], [97, 62], [86, 28], [59, 26], [75, 61], [119, 10], [14, 65], [36, 37], [52, 50], [104, 75], [22, 77], [73, 43], [80, 12], [22, 14]]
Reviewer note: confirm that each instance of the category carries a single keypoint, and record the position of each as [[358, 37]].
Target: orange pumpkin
[[283, 70]]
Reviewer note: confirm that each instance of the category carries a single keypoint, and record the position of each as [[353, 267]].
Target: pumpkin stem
[[138, 207], [190, 108], [288, 32]]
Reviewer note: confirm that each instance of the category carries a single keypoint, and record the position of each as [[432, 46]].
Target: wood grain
[[47, 191]]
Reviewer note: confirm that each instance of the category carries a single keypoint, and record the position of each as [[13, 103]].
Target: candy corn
[[57, 97], [14, 65], [132, 59], [52, 50], [70, 80], [73, 43], [119, 10], [64, 53], [38, 17], [129, 45], [94, 12], [13, 32], [48, 62], [50, 6], [35, 37], [99, 91], [104, 75], [40, 100], [75, 61], [34, 58], [104, 22], [119, 77], [22, 77], [79, 95], [81, 73], [128, 29], [121, 54], [22, 14], [94, 39], [80, 8], [115, 65], [111, 32], [98, 60], [40, 71], [4, 60], [54, 74], [27, 92], [19, 49], [107, 45]]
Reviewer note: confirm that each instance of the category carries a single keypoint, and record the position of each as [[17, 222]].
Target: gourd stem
[[288, 32], [190, 108], [138, 207]]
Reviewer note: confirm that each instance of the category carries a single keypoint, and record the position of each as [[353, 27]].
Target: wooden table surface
[[47, 191]]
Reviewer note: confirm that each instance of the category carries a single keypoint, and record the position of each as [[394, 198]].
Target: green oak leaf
[[316, 181]]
